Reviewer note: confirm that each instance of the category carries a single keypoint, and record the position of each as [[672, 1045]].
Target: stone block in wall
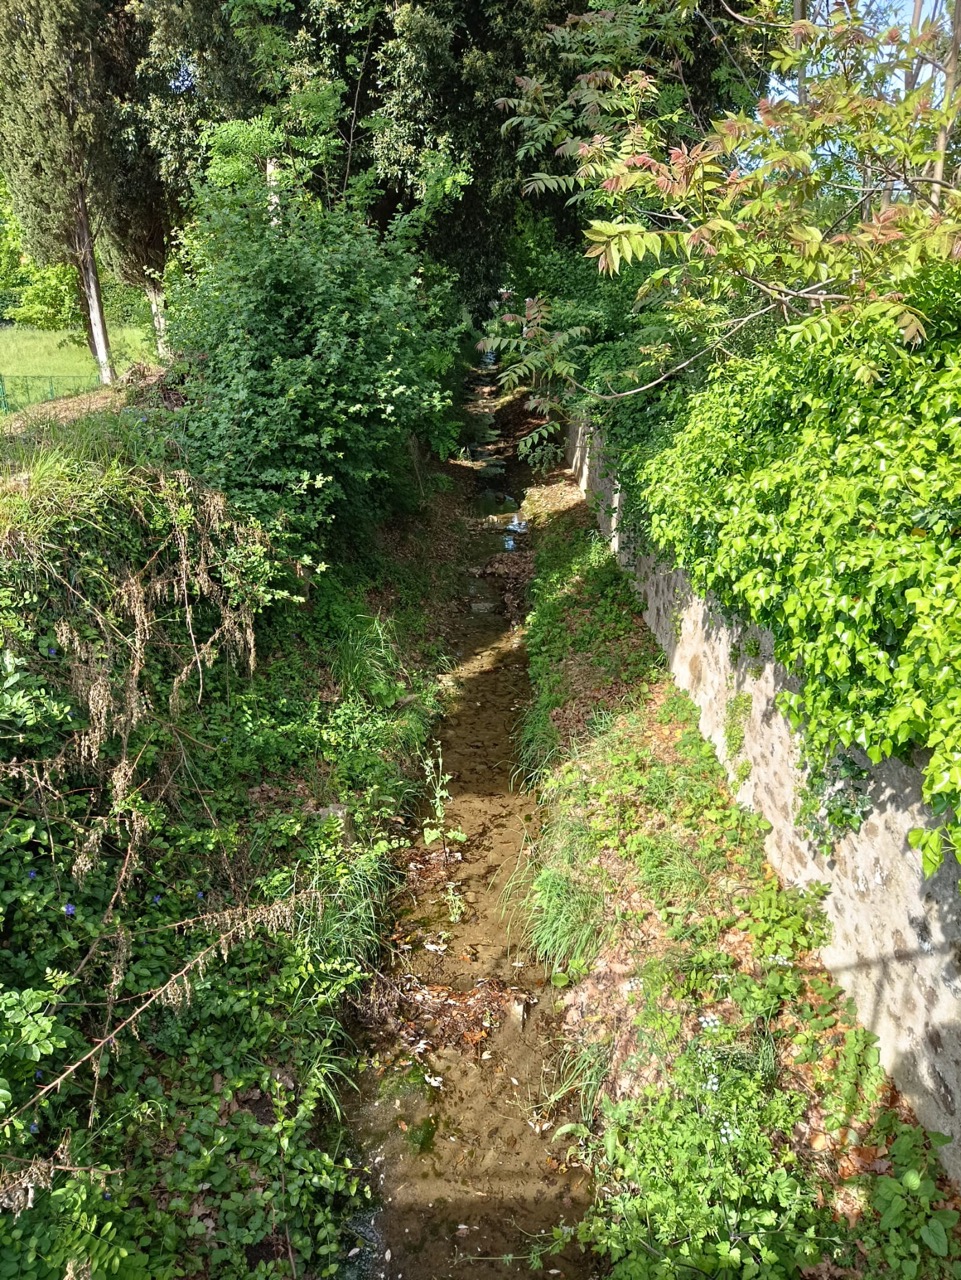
[[896, 936]]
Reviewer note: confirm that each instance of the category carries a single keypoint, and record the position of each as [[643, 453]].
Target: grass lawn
[[39, 366]]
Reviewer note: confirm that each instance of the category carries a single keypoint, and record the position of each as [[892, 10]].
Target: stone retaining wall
[[896, 944]]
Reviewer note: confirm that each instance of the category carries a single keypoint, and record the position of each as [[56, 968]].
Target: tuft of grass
[[666, 868], [84, 467], [567, 842], [366, 661], [566, 919], [735, 724], [578, 1072]]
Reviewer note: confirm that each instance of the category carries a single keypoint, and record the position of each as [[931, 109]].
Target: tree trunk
[[158, 310], [911, 77], [950, 87], [90, 280], [84, 313], [273, 195], [800, 14]]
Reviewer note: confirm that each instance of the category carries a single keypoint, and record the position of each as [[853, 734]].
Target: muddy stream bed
[[458, 1056]]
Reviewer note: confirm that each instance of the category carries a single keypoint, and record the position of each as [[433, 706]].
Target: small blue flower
[[156, 898], [32, 875], [70, 909], [223, 739], [52, 651], [200, 893], [38, 1075], [34, 1128], [107, 1195]]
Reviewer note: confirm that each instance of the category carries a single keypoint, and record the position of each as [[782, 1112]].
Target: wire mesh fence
[[19, 390]]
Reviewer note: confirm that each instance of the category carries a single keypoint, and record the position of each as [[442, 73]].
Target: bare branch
[[649, 386]]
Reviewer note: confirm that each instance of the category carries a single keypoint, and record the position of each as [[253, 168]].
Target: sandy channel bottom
[[447, 1118]]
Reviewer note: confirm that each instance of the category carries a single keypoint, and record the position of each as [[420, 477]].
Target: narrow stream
[[447, 1114]]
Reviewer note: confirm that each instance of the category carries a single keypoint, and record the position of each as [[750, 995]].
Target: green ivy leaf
[[935, 1237]]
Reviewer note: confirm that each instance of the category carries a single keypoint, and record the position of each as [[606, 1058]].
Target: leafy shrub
[[695, 1178], [312, 359], [814, 490], [914, 1232]]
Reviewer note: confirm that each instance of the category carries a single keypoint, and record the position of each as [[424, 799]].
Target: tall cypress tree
[[170, 67], [51, 94]]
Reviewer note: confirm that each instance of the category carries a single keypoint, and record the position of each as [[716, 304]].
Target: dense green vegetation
[[212, 724], [820, 524], [315, 361], [770, 350], [758, 1136], [211, 743], [195, 861]]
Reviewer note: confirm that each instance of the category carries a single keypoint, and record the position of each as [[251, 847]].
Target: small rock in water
[[520, 1009]]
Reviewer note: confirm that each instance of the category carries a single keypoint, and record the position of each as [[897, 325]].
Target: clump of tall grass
[[566, 918], [366, 659]]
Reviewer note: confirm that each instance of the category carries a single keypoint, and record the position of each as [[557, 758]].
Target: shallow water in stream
[[446, 1115]]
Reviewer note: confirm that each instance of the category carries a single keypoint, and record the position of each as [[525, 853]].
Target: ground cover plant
[[210, 743], [737, 1119]]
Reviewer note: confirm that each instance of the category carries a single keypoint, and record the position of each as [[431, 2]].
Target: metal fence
[[19, 390]]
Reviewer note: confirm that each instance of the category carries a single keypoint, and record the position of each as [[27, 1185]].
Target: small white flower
[[709, 1021], [713, 1084], [727, 1132]]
